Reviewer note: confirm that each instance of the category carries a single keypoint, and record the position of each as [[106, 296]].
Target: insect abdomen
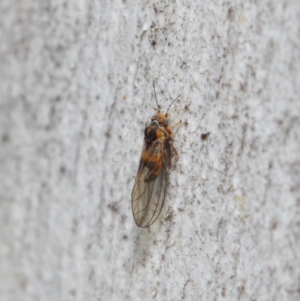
[[152, 159]]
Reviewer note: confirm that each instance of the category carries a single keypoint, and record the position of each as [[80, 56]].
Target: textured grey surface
[[76, 91]]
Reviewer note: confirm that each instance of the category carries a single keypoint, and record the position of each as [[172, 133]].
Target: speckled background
[[75, 94]]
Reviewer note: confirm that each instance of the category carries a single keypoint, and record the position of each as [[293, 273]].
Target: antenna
[[158, 106], [173, 102]]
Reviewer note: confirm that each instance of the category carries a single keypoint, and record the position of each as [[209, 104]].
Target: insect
[[151, 182]]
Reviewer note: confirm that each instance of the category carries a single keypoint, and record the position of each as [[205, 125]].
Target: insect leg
[[173, 148], [176, 124]]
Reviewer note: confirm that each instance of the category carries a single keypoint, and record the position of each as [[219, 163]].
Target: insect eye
[[165, 121]]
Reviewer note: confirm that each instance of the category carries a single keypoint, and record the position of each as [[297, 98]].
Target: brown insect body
[[151, 182]]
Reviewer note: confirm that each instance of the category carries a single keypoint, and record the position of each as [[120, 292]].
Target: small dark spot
[[57, 65], [58, 98], [274, 225], [217, 94], [92, 274], [243, 87], [187, 107], [270, 164], [125, 237], [123, 218], [153, 43], [24, 283], [73, 292], [241, 288], [230, 14], [223, 292], [169, 216], [74, 225], [62, 169], [5, 138], [219, 79], [205, 136], [183, 65], [44, 185], [52, 112], [113, 207], [59, 48]]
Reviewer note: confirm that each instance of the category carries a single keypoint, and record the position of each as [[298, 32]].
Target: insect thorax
[[153, 132]]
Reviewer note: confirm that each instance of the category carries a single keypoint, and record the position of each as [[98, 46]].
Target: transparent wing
[[148, 198]]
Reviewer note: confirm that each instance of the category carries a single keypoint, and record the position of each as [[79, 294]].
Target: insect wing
[[148, 197]]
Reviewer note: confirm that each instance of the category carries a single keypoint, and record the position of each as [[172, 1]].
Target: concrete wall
[[76, 91]]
